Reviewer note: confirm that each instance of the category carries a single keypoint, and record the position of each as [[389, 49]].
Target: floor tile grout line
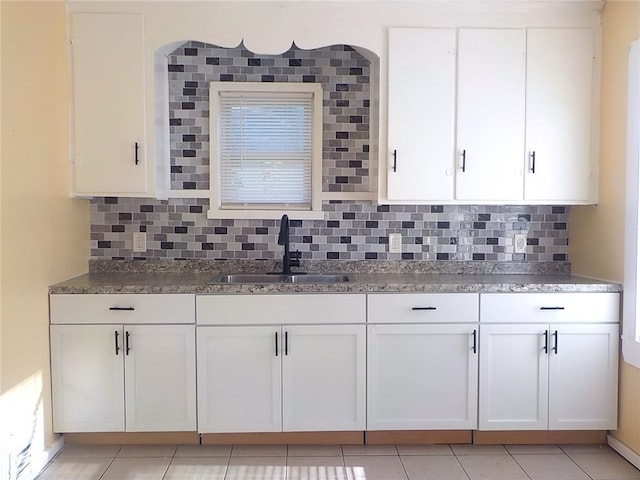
[[108, 467], [459, 462], [226, 468], [577, 464], [404, 469], [517, 463]]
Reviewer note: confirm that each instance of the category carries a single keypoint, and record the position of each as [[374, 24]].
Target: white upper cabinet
[[522, 107], [491, 114], [421, 113], [108, 104], [559, 114]]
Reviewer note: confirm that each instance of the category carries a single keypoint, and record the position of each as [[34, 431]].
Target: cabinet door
[[559, 97], [108, 93], [239, 379], [160, 373], [422, 377], [513, 391], [421, 114], [583, 377], [323, 374], [87, 378], [491, 113]]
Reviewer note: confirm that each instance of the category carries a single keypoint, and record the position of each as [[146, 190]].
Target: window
[[265, 149], [631, 307]]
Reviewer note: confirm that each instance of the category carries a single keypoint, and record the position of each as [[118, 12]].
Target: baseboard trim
[[624, 451], [133, 438], [419, 437], [284, 438], [515, 437]]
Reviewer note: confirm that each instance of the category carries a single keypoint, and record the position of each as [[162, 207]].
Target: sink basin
[[247, 278], [240, 278], [319, 278]]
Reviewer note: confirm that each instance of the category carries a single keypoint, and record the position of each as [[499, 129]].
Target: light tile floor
[[335, 462]]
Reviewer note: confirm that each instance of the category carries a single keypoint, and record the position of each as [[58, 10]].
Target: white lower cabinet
[[123, 376], [334, 362], [323, 377], [239, 379], [513, 378], [422, 377], [583, 377], [557, 376], [287, 377], [87, 377], [113, 378], [422, 372]]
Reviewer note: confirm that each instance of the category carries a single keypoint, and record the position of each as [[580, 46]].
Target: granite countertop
[[134, 277]]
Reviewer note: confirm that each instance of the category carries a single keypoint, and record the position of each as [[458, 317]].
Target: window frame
[[216, 209], [631, 306]]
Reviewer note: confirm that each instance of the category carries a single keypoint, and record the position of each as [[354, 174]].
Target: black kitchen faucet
[[289, 259]]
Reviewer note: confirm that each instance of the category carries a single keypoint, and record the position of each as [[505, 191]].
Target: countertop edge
[[389, 283]]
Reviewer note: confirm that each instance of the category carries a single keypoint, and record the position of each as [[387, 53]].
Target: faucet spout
[[283, 236], [289, 259]]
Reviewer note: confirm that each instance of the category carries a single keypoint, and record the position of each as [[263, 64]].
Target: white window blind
[[265, 149]]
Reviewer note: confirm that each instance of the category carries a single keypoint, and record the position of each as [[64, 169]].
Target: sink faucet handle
[[295, 258]]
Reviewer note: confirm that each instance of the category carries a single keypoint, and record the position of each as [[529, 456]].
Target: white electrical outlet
[[139, 242], [395, 243], [520, 243]]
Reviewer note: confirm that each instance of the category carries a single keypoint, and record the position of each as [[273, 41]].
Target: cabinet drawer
[[549, 307], [422, 308], [280, 309], [122, 308]]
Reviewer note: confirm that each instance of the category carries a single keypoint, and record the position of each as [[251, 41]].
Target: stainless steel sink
[[249, 278], [319, 278]]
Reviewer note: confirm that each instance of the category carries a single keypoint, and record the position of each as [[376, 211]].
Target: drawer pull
[[122, 309], [551, 308], [546, 341], [126, 343], [117, 346], [555, 342], [422, 308]]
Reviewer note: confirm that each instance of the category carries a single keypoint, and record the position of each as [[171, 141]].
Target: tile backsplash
[[179, 228], [345, 78]]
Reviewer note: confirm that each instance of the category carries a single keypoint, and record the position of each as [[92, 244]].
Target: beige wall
[[44, 236], [597, 232]]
